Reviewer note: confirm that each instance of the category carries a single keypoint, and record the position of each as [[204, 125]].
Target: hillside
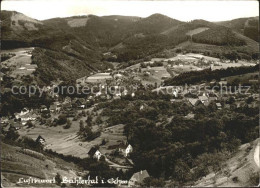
[[199, 32], [79, 41], [245, 26], [16, 164], [240, 170]]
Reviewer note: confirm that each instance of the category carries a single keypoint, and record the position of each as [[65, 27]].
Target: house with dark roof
[[43, 108], [194, 102], [94, 153], [138, 178], [203, 99], [40, 139]]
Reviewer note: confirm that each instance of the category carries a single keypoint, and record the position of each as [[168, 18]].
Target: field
[[187, 62], [20, 64], [196, 31], [67, 142], [15, 165], [244, 78]]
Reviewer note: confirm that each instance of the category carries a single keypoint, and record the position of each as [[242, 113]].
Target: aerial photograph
[[129, 93]]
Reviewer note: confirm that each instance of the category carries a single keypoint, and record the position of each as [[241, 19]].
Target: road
[[256, 155], [112, 164]]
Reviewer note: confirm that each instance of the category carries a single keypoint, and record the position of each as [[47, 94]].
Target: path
[[256, 155]]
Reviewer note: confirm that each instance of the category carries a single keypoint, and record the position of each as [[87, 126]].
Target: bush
[[62, 119], [68, 125]]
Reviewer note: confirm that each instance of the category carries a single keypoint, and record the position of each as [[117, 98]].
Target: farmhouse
[[190, 116], [126, 150], [219, 107], [138, 178], [203, 99], [56, 106], [194, 102], [94, 153], [40, 139], [223, 82], [78, 102], [22, 113], [43, 108]]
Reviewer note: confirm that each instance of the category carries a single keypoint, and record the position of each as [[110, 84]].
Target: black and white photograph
[[129, 93]]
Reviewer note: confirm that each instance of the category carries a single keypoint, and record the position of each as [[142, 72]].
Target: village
[[109, 142]]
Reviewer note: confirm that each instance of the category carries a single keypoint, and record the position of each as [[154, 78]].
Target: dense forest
[[208, 75], [178, 148]]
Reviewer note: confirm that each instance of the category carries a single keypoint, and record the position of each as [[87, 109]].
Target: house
[[108, 96], [78, 102], [16, 125], [194, 102], [116, 97], [43, 108], [125, 92], [103, 96], [23, 112], [125, 149], [138, 178], [28, 117], [141, 107], [212, 83], [98, 93], [67, 100], [219, 106], [212, 99], [98, 78], [117, 76], [203, 99], [40, 139], [52, 108], [118, 94], [190, 116], [175, 93], [94, 153], [223, 83], [253, 81]]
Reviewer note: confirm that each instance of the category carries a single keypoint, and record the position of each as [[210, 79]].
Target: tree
[[58, 179], [29, 124], [68, 125], [81, 128], [249, 100], [89, 120], [12, 134], [153, 182], [181, 171], [231, 100], [62, 119]]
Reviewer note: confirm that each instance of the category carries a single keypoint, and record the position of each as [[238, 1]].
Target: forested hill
[[83, 39], [247, 26]]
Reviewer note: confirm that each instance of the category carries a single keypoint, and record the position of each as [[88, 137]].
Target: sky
[[180, 10]]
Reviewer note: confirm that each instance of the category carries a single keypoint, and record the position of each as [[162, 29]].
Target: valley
[[173, 103]]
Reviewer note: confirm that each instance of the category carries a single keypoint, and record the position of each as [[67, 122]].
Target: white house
[[175, 93], [95, 153], [22, 113], [138, 178], [126, 150]]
